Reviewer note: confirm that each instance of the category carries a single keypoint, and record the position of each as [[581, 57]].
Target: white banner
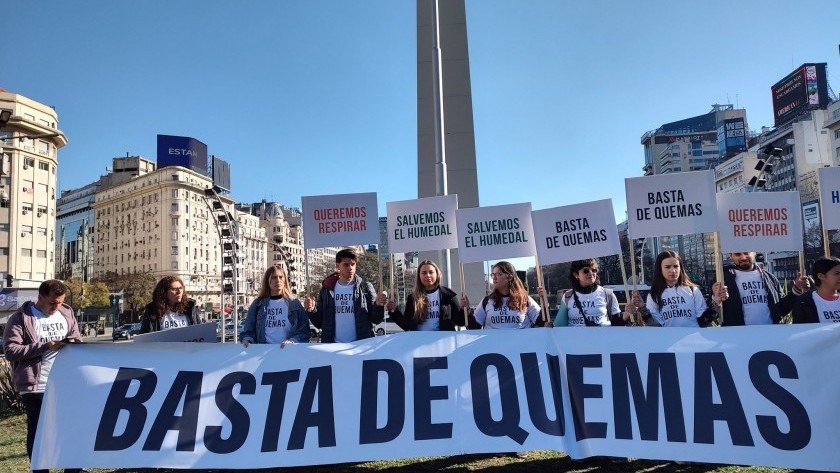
[[757, 395], [492, 233], [422, 224], [830, 197], [671, 204], [340, 220], [575, 232], [199, 333], [759, 221]]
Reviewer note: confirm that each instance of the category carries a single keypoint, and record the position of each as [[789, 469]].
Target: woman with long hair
[[508, 305], [673, 301], [170, 307], [822, 304], [275, 316], [430, 306], [588, 304]]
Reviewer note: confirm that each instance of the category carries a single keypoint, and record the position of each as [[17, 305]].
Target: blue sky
[[319, 97]]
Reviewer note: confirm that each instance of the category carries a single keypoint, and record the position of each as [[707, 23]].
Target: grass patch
[[13, 460]]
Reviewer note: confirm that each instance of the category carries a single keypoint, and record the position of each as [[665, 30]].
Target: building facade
[[159, 223], [29, 144]]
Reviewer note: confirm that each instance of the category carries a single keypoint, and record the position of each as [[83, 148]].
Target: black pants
[[32, 403]]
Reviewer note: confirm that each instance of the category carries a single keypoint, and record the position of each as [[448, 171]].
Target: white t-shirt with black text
[[681, 307], [594, 307], [345, 315], [827, 311], [506, 318], [277, 320], [48, 328], [172, 320], [432, 321], [753, 297]]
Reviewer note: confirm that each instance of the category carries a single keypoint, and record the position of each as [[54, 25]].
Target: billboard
[[181, 151], [221, 173], [802, 89], [732, 136]]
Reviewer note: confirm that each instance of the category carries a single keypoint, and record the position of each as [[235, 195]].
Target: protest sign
[[830, 197], [759, 221], [489, 233], [340, 220], [671, 204], [199, 333], [574, 232], [422, 224], [727, 395]]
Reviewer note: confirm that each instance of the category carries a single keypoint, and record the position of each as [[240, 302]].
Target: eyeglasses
[[589, 270]]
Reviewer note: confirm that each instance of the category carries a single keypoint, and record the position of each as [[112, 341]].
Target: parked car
[[126, 331], [387, 326]]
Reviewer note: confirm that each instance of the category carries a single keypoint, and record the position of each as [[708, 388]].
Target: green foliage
[[136, 287], [10, 397]]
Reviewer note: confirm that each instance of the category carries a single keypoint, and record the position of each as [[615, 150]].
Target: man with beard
[[750, 295]]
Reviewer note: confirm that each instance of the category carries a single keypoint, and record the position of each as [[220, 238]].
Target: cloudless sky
[[319, 97]]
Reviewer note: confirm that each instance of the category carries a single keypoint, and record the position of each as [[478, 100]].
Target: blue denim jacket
[[254, 330]]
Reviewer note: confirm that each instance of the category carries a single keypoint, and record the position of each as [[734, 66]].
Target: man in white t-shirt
[[750, 295], [346, 310], [33, 336]]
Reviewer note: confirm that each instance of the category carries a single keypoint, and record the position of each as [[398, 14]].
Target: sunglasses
[[589, 270]]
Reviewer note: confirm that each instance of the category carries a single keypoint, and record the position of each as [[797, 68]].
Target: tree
[[136, 287], [75, 288], [96, 295]]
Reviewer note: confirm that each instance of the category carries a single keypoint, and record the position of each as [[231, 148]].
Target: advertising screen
[[802, 89], [181, 151]]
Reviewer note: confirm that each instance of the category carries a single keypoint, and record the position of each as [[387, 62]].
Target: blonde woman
[[431, 306], [275, 317]]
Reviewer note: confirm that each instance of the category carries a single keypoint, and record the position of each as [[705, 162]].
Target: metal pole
[[440, 137]]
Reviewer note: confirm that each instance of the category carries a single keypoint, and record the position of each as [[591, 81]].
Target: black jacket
[[733, 311], [151, 323], [450, 312], [365, 309], [805, 309]]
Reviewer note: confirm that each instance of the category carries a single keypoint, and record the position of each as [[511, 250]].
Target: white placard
[[340, 220], [759, 221], [756, 395], [422, 224], [492, 233], [200, 333], [830, 197], [671, 204], [574, 232]]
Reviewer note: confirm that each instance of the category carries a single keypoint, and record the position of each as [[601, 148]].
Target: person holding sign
[[345, 310], [673, 301], [822, 305], [170, 307], [588, 304], [431, 306], [33, 336], [508, 306], [275, 317], [758, 298]]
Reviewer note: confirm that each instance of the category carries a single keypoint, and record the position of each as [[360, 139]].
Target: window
[[29, 162], [41, 253], [175, 264], [837, 134], [174, 207], [41, 231], [41, 189], [26, 228], [26, 252], [42, 209], [4, 251], [40, 276], [26, 276], [174, 250], [43, 148], [174, 193], [43, 166]]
